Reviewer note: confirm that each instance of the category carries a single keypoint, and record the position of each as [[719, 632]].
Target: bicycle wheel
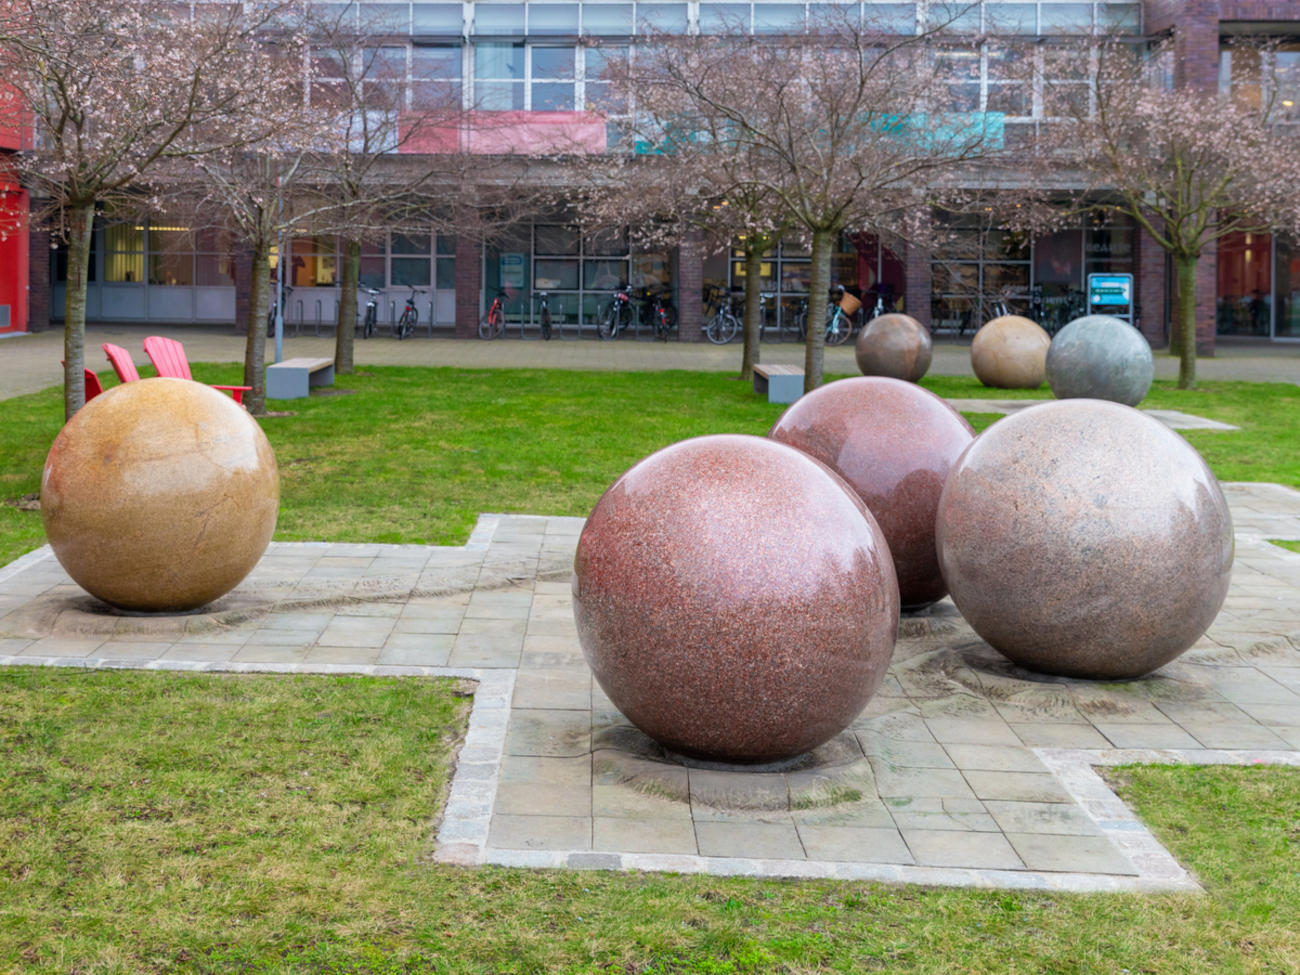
[[493, 324], [837, 332], [372, 318], [607, 327], [546, 322], [405, 326]]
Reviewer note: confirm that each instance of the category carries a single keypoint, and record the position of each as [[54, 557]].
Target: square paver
[[624, 835], [854, 844], [752, 840], [1028, 786], [1062, 818], [549, 733], [540, 832], [1073, 854], [947, 848]]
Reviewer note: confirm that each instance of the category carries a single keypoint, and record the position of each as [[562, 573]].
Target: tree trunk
[[1184, 331], [344, 338], [81, 227], [823, 243], [753, 312], [255, 344]]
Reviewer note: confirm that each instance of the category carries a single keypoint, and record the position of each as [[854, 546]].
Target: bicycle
[[617, 315], [839, 323], [544, 315], [405, 326], [493, 325], [371, 319], [657, 310], [285, 291], [723, 325]]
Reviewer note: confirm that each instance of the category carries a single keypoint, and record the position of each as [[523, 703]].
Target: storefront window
[[1286, 276], [1245, 286], [123, 253], [171, 256], [313, 262]]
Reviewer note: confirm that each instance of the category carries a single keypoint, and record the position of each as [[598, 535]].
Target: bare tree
[[840, 129], [1189, 166], [111, 89]]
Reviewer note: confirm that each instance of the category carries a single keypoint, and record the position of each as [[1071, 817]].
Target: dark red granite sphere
[[894, 345], [735, 599], [1085, 539], [894, 442]]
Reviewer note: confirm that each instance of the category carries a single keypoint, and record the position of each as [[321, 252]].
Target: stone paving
[[962, 770]]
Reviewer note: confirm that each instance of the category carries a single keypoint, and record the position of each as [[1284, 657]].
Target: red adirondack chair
[[93, 385], [122, 364], [168, 358]]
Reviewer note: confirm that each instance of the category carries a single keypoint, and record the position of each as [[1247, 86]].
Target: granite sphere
[[160, 495], [894, 443], [1085, 539], [1100, 357], [894, 345], [735, 599], [1010, 352]]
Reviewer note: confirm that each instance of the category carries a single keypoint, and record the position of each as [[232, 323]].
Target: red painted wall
[[13, 255]]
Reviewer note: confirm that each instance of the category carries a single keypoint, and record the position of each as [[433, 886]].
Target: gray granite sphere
[[1100, 357], [1085, 539], [1010, 352], [735, 599], [894, 345]]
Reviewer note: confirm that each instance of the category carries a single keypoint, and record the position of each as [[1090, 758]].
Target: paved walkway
[[31, 362], [963, 769]]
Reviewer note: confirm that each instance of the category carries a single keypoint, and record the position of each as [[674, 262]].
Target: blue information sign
[[1112, 293]]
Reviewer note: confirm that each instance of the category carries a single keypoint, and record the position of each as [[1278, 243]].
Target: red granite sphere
[[1085, 539], [1010, 352], [160, 495], [894, 345], [894, 443], [735, 599]]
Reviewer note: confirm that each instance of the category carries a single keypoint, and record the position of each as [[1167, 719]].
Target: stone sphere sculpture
[[1085, 539], [894, 345], [160, 495], [894, 443], [1010, 352], [735, 599], [1100, 357]]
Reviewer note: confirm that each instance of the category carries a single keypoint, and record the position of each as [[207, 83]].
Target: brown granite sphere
[[735, 599], [1010, 352], [160, 495], [894, 443], [894, 345], [1085, 539]]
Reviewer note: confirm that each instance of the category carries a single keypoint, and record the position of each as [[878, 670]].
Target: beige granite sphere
[[1010, 352], [894, 345], [735, 599], [160, 495], [1084, 538]]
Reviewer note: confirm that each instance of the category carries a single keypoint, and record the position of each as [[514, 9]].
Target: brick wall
[[1150, 283], [916, 299], [469, 285], [39, 284], [1207, 293], [690, 289]]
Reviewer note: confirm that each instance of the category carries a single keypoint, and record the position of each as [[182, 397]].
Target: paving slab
[[962, 770]]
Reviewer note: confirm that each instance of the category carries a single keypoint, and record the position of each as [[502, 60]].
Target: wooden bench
[[292, 378], [782, 384]]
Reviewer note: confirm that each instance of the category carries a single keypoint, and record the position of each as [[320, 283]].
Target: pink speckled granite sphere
[[735, 599], [160, 495], [894, 443], [1010, 352], [894, 345], [1085, 539]]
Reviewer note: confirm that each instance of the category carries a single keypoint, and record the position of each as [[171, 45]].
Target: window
[[214, 260], [437, 18], [435, 77], [171, 256], [313, 262], [724, 18], [1011, 18], [499, 76], [411, 260], [608, 19], [499, 18], [123, 253], [554, 79], [1065, 18], [669, 18], [890, 18], [552, 18]]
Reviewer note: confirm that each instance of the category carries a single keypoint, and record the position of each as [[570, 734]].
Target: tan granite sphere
[[1085, 539], [735, 599], [160, 495], [894, 442], [1010, 352], [894, 345]]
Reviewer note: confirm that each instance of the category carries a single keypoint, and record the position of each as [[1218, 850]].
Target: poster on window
[[512, 270]]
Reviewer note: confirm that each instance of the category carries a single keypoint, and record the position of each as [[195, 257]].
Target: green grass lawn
[[285, 826], [415, 454]]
